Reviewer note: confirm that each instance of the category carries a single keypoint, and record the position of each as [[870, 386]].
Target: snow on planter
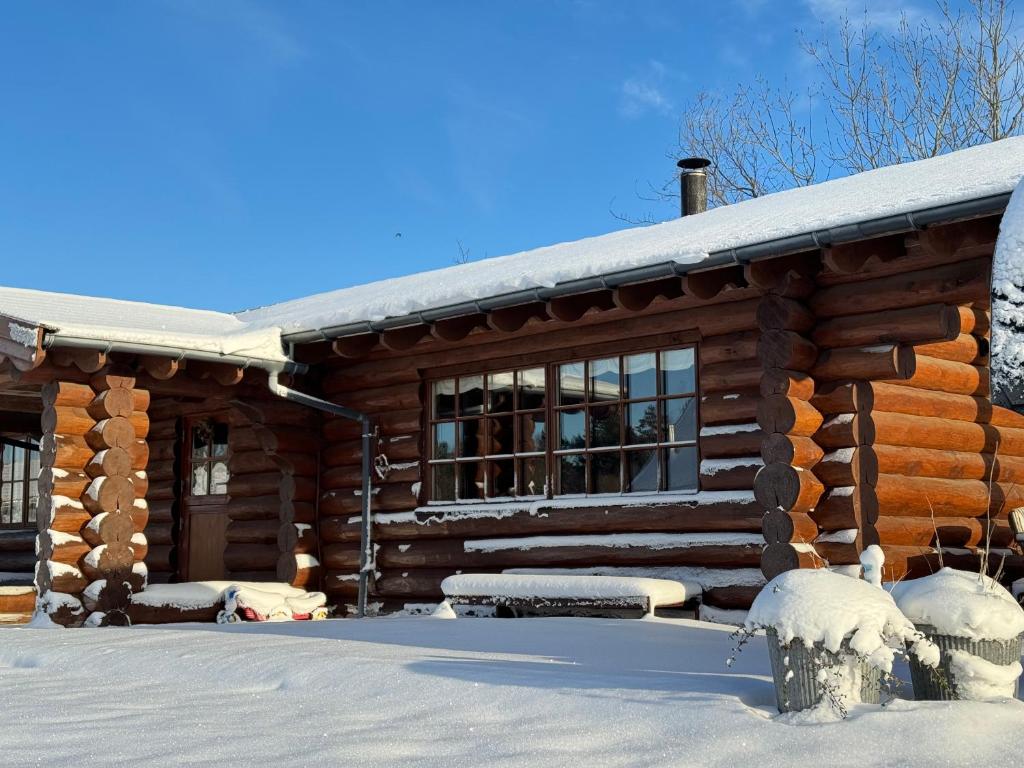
[[978, 627], [831, 638]]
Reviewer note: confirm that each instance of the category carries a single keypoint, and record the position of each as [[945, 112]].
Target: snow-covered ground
[[433, 692]]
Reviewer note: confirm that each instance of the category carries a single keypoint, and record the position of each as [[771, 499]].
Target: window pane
[[444, 399], [33, 505], [533, 480], [641, 376], [532, 432], [220, 439], [571, 426], [19, 464], [572, 475], [471, 479], [444, 440], [7, 461], [471, 438], [17, 501], [681, 468], [502, 440], [604, 426], [680, 419], [501, 478], [471, 395], [219, 478], [531, 389], [604, 472], [200, 480], [35, 464], [201, 441], [642, 423], [499, 392], [443, 485], [642, 471], [570, 384], [604, 379], [677, 371]]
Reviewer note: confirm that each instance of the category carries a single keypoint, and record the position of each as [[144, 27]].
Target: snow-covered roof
[[135, 322], [967, 175]]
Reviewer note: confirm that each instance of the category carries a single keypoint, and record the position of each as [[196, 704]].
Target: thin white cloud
[[878, 13], [645, 93]]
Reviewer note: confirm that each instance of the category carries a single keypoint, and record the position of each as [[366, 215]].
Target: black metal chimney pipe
[[693, 185]]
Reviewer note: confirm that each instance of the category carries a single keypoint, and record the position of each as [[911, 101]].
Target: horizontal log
[[66, 393], [949, 464], [245, 557], [735, 407], [945, 376], [18, 562], [731, 444], [112, 402], [735, 474], [349, 452], [731, 346], [799, 451], [62, 482], [452, 554], [68, 516], [941, 531], [901, 496], [253, 531], [340, 556], [848, 466], [787, 488], [243, 462], [737, 598], [731, 376], [343, 585], [788, 415], [388, 498], [781, 313], [963, 349], [66, 420], [777, 381], [787, 350], [879, 362], [779, 558], [139, 613], [932, 322], [845, 507], [390, 423], [397, 397], [66, 452], [943, 434], [256, 508]]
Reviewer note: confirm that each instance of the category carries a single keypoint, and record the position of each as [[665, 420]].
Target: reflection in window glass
[[533, 477], [532, 432], [642, 471], [501, 479], [642, 423], [604, 426], [443, 482], [444, 440], [572, 474], [500, 389], [678, 375], [471, 435], [444, 399], [604, 379], [641, 376], [471, 479], [681, 468], [571, 384], [531, 389], [680, 419], [572, 427], [471, 396], [604, 472]]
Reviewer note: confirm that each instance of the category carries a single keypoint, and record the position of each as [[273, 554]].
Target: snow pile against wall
[[1007, 358], [994, 169]]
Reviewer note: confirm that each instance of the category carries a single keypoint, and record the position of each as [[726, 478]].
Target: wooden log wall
[[92, 509], [414, 551], [901, 378]]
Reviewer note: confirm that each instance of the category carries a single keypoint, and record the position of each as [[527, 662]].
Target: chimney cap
[[694, 163]]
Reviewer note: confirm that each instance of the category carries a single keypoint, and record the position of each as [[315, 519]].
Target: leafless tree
[[929, 86]]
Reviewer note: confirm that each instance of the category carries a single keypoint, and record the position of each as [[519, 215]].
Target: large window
[[19, 486], [208, 458], [619, 424]]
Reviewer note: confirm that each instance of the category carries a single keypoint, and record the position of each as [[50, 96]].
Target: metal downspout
[[366, 491]]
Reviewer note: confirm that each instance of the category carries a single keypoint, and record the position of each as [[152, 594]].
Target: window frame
[[188, 461], [25, 481], [550, 360]]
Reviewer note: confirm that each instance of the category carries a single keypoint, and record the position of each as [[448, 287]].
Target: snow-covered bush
[[976, 622], [848, 628]]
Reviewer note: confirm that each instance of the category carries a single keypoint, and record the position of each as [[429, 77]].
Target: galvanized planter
[[937, 684], [801, 689]]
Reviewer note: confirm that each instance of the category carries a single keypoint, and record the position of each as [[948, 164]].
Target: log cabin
[[769, 385]]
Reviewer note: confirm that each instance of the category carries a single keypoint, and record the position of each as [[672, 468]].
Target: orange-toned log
[[107, 559], [112, 379], [112, 402], [110, 461], [945, 376], [848, 466], [62, 482], [942, 434], [781, 486], [140, 423], [932, 322], [974, 320], [66, 420], [942, 531], [140, 481], [61, 548], [777, 381], [788, 527], [67, 393], [139, 452], [68, 516], [950, 464], [109, 528], [779, 558], [116, 432], [788, 415], [844, 508], [901, 496], [878, 362], [64, 451], [965, 348], [796, 450], [108, 494], [786, 349]]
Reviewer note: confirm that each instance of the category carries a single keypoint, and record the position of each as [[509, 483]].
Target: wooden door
[[204, 519]]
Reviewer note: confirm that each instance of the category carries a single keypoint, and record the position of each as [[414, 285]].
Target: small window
[[19, 482], [488, 436], [208, 459]]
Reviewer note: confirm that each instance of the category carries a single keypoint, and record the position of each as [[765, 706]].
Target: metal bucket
[[802, 690], [937, 684]]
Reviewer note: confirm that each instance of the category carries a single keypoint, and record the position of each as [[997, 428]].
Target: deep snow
[[428, 692]]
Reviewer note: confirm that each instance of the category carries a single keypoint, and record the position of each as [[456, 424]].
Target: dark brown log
[[736, 407], [776, 381], [115, 377], [788, 415], [253, 531], [401, 339], [64, 451], [731, 444], [62, 482], [848, 466], [261, 484], [511, 319], [729, 474], [251, 557], [731, 598], [777, 312], [790, 449], [788, 527], [881, 362], [730, 347], [789, 275], [355, 346], [244, 462], [223, 374], [787, 350], [779, 558], [638, 296], [114, 595], [391, 423], [780, 486], [458, 328], [850, 258], [730, 377], [160, 559], [711, 282], [165, 614], [932, 322], [108, 561], [257, 508], [341, 556]]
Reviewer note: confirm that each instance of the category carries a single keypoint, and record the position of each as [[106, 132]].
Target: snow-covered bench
[[549, 595]]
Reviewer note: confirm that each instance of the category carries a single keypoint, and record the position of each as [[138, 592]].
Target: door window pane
[[219, 478], [604, 379], [680, 420], [200, 480], [220, 439], [570, 384], [641, 376], [678, 372]]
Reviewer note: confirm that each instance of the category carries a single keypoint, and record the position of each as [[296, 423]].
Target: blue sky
[[235, 153]]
